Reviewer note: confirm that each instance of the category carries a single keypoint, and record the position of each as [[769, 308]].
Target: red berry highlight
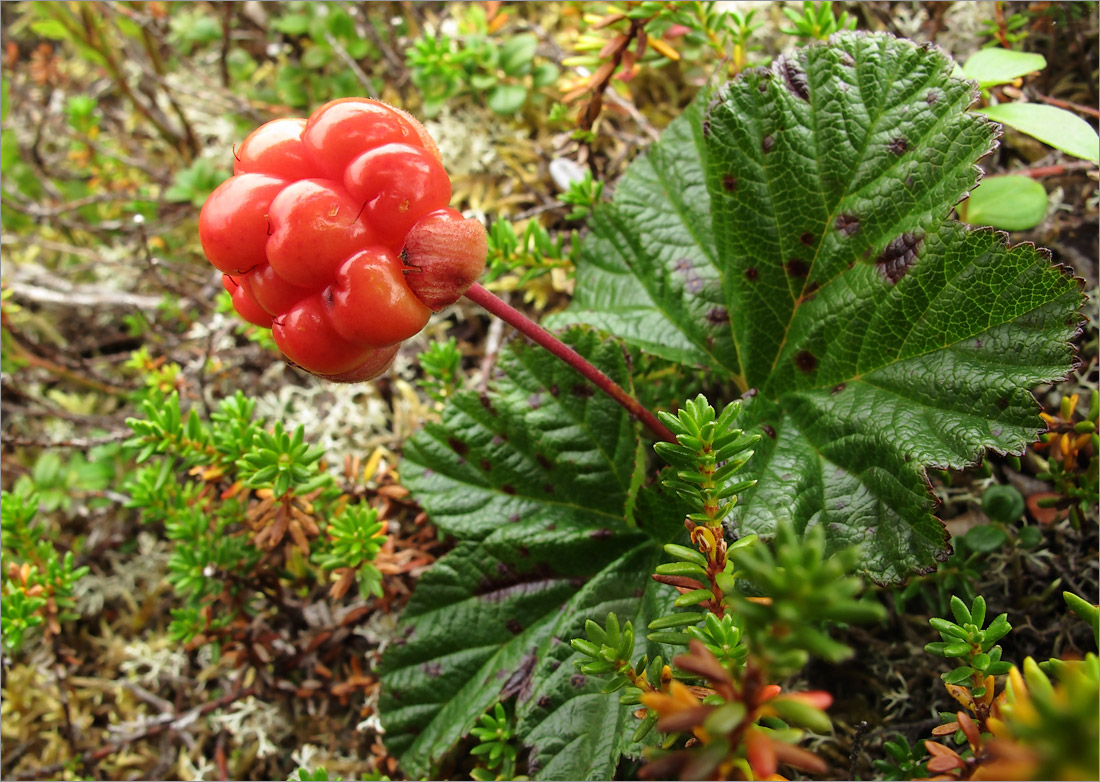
[[276, 149], [233, 226], [371, 284]]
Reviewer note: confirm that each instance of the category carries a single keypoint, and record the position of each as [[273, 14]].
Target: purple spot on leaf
[[847, 224], [899, 256], [796, 267], [718, 315], [794, 77], [805, 361], [898, 145]]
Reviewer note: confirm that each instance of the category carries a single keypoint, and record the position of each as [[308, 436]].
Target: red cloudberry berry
[[335, 232]]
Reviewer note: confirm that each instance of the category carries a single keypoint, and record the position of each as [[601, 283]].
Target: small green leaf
[[937, 647], [958, 649], [686, 554], [977, 611], [483, 81], [1003, 503], [516, 54], [51, 28], [678, 620], [9, 150], [802, 715], [694, 597], [1057, 127], [1029, 537], [986, 538], [585, 647], [1011, 202], [994, 65], [960, 611], [948, 627], [960, 675], [669, 637], [292, 24], [1087, 611], [545, 74], [507, 98], [689, 569], [727, 717]]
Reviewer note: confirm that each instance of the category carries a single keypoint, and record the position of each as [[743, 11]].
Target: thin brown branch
[[1088, 111], [80, 443]]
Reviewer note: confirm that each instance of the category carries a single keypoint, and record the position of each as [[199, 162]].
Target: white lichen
[[253, 721]]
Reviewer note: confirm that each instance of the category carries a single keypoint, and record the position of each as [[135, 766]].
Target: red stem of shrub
[[540, 336]]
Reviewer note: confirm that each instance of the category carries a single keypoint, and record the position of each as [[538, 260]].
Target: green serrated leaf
[[534, 479], [818, 266], [543, 448]]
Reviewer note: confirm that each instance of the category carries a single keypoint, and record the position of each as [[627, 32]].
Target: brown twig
[[223, 54], [600, 80], [1070, 106], [1038, 172], [62, 679], [92, 35], [540, 336], [80, 443]]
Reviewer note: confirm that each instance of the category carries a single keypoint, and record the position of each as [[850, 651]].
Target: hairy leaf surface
[[819, 269]]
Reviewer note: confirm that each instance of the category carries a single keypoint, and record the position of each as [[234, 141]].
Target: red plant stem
[[540, 336], [1065, 104], [1038, 172]]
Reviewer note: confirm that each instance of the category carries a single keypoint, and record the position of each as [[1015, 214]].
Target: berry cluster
[[335, 233]]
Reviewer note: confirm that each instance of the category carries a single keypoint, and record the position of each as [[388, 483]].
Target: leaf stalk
[[543, 338]]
